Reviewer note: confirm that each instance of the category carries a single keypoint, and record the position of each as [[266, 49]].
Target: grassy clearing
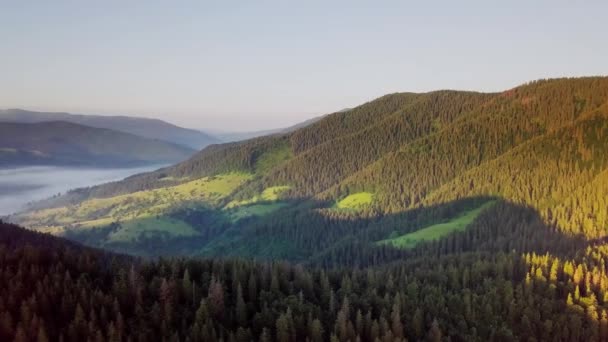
[[436, 231], [259, 205], [355, 201], [143, 204], [162, 226], [268, 195], [272, 193]]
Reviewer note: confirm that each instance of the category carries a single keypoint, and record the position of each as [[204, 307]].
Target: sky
[[254, 65]]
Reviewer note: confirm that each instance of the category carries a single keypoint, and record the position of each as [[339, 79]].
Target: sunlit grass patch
[[355, 201], [268, 195], [138, 205], [436, 231]]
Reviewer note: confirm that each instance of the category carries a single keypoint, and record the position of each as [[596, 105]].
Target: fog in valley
[[20, 186]]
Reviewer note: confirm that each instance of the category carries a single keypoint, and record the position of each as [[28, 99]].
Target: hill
[[143, 127], [64, 143], [334, 192]]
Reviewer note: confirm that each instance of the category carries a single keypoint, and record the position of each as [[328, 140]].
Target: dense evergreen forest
[[554, 288]]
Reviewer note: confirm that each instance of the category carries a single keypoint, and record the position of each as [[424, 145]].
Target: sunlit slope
[[562, 174], [344, 143], [404, 178], [98, 212]]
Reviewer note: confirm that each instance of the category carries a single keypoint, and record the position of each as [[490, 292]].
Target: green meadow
[[98, 212], [355, 201], [436, 231], [268, 195]]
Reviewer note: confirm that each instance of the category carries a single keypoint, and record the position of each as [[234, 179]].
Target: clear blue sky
[[247, 65]]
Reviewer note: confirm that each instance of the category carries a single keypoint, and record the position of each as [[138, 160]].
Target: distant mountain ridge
[[66, 143], [239, 136], [143, 127]]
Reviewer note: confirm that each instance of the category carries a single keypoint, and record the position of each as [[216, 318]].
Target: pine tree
[[215, 298], [42, 336], [20, 335], [282, 328], [396, 324], [265, 336], [316, 331], [418, 323], [241, 307], [434, 334]]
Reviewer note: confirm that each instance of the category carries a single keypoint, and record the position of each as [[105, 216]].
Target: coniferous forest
[[441, 216]]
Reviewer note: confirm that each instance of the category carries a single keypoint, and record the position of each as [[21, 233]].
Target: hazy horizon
[[249, 67], [168, 119]]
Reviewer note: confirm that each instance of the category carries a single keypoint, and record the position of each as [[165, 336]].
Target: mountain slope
[[63, 143], [143, 127], [329, 193]]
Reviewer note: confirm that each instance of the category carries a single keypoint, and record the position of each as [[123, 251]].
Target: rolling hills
[[388, 168], [482, 217], [144, 127], [68, 144]]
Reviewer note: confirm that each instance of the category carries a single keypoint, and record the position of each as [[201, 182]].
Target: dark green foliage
[[51, 289]]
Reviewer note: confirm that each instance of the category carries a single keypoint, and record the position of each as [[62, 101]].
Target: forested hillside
[[369, 185], [64, 143]]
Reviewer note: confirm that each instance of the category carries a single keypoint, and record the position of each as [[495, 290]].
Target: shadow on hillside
[[322, 237], [309, 232]]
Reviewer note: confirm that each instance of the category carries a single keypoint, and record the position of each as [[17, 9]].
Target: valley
[[24, 185]]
